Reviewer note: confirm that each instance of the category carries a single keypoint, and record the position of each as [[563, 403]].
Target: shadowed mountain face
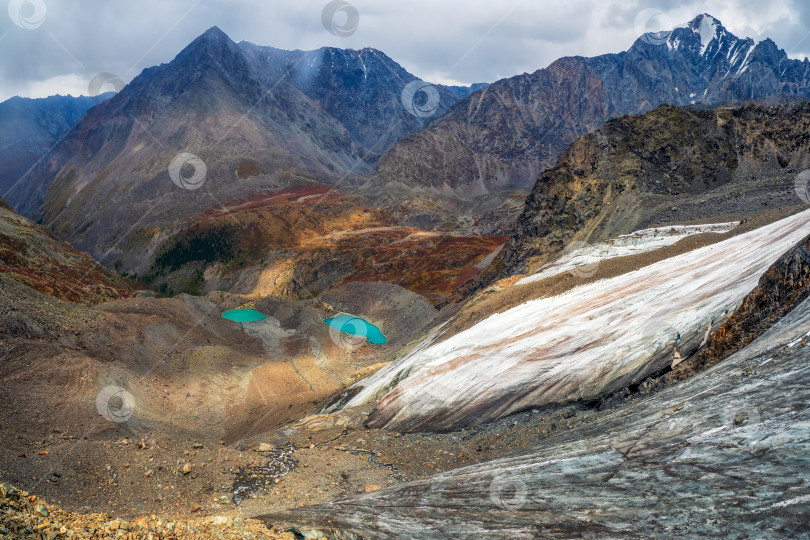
[[505, 135], [362, 89], [256, 117], [30, 127]]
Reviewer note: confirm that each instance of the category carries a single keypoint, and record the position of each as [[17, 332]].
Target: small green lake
[[356, 326], [243, 315]]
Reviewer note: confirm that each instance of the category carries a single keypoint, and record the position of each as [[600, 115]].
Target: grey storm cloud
[[447, 41]]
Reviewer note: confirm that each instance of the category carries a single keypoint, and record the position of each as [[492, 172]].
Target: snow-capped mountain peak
[[708, 28]]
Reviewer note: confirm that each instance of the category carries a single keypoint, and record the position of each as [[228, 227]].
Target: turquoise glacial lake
[[356, 326], [243, 315]]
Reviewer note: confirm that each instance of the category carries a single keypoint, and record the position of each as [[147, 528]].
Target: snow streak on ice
[[589, 341], [628, 244]]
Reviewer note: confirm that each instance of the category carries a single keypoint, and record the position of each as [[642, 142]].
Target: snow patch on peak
[[708, 31], [673, 44], [744, 64]]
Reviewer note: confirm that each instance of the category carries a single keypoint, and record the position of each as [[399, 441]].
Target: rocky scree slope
[[504, 136], [33, 256], [26, 516]]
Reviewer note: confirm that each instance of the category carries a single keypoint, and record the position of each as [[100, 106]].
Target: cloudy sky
[[57, 46]]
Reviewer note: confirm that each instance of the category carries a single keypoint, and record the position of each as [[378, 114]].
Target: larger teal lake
[[243, 315], [356, 326]]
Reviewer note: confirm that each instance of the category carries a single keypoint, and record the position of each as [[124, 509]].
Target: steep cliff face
[[780, 290], [502, 137], [637, 169]]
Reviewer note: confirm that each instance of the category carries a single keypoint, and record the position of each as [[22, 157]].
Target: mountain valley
[[587, 286]]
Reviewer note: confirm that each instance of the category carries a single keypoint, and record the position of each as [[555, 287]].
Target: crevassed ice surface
[[628, 244], [582, 344], [722, 455]]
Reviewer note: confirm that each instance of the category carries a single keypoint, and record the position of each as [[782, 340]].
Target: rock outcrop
[[780, 290], [637, 170]]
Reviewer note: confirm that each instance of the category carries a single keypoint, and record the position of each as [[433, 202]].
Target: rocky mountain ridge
[[362, 89], [257, 118], [504, 136], [31, 255], [633, 171]]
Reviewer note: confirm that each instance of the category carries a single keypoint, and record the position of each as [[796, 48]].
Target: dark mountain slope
[[362, 89], [239, 109], [31, 255], [30, 127]]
